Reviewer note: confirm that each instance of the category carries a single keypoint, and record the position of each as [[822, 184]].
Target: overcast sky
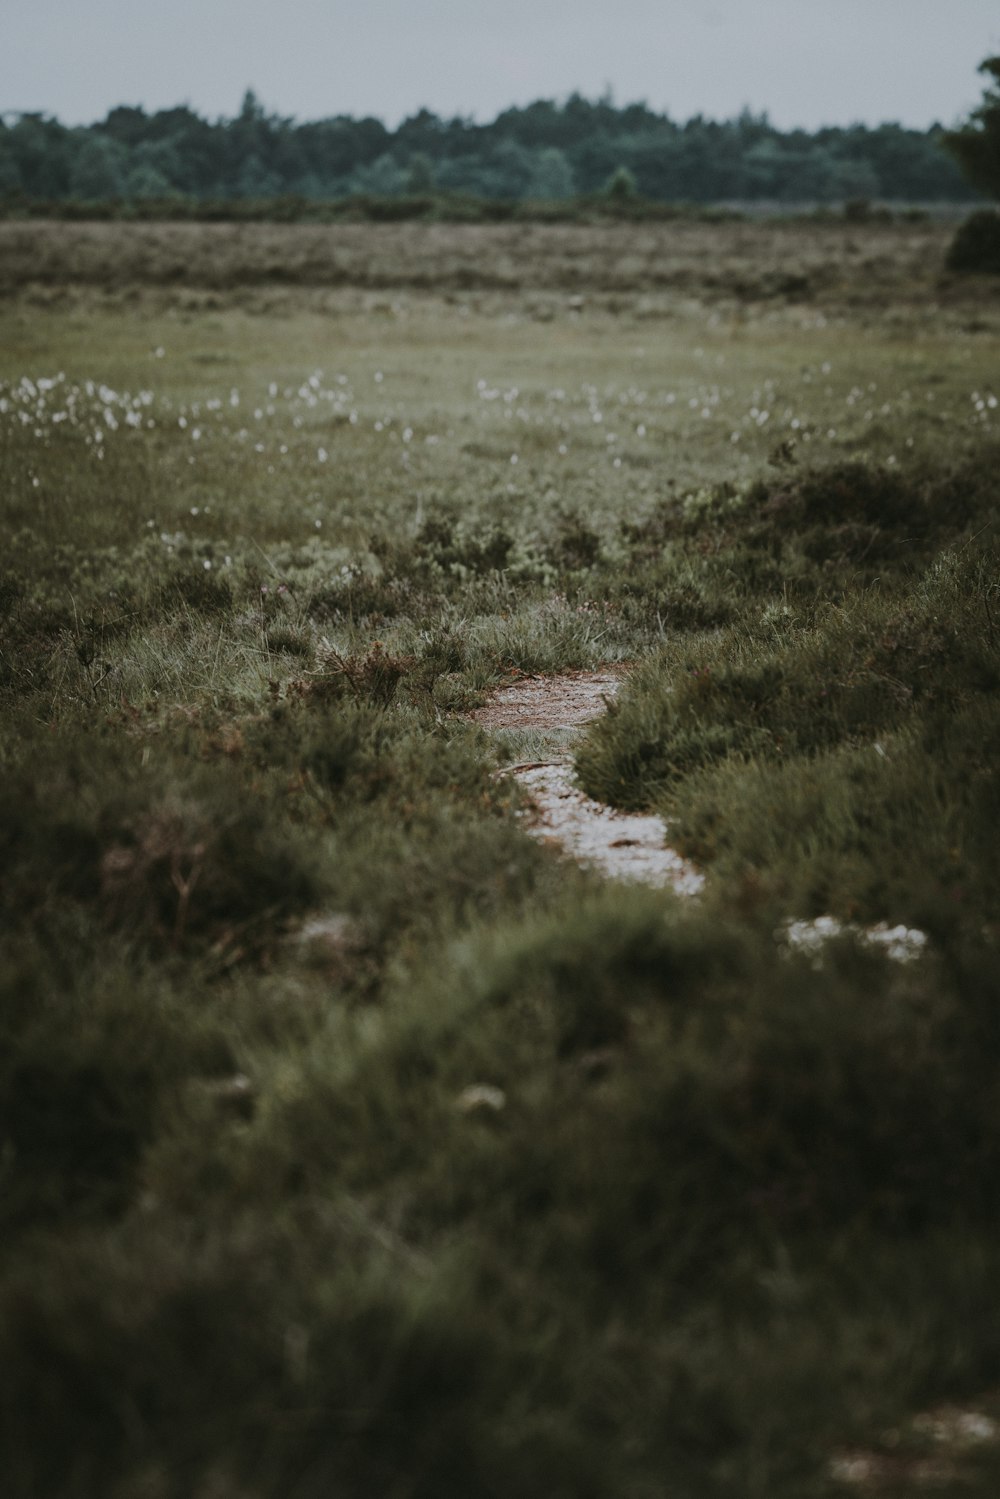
[[807, 62]]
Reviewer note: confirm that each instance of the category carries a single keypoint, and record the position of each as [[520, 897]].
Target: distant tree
[[537, 125], [651, 156], [192, 153], [621, 185], [10, 177], [99, 169], [854, 180], [765, 168], [468, 174], [511, 165], [420, 132], [697, 163], [252, 111], [385, 178], [547, 149], [420, 175], [976, 145], [976, 148], [10, 174], [582, 117], [332, 150], [752, 128], [43, 152], [145, 181], [255, 180], [637, 119], [164, 160], [552, 175], [593, 160], [128, 124]]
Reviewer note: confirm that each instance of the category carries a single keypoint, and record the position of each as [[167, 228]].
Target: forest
[[545, 151]]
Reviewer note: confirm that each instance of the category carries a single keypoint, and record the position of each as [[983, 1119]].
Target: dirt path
[[624, 845], [621, 845], [564, 702]]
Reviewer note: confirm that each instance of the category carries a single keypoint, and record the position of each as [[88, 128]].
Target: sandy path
[[621, 845], [563, 702], [625, 845]]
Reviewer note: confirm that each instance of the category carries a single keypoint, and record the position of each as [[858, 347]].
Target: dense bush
[[976, 245]]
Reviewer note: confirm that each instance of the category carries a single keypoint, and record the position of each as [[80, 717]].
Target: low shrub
[[975, 247]]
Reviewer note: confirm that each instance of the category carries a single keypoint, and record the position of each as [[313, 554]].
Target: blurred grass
[[352, 1143]]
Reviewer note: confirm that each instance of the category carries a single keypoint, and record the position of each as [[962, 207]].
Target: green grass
[[724, 1212], [832, 745]]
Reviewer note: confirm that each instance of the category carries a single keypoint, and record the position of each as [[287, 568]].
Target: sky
[[805, 62]]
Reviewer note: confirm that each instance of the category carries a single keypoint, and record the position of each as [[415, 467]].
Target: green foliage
[[420, 175], [188, 860], [552, 176], [544, 152], [621, 185], [976, 145], [976, 245], [785, 1173], [799, 741]]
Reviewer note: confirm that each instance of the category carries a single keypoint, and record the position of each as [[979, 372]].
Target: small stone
[[329, 938], [975, 1427], [481, 1098]]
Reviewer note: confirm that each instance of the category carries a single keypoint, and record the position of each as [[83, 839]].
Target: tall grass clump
[[833, 749]]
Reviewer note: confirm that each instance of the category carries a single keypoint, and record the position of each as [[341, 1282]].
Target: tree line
[[546, 151]]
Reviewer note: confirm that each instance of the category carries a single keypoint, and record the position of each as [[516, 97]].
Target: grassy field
[[280, 505]]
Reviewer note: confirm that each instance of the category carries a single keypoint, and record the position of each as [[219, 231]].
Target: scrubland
[[856, 262], [353, 1143]]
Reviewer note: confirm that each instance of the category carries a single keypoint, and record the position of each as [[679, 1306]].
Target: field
[[354, 1143]]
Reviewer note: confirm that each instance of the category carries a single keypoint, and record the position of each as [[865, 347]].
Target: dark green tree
[[420, 174], [552, 176], [547, 150], [99, 168], [41, 152], [976, 145], [385, 178]]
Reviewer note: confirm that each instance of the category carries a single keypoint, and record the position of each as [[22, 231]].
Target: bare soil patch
[[550, 702], [621, 845]]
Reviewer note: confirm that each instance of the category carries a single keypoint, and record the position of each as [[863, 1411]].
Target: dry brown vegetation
[[854, 263]]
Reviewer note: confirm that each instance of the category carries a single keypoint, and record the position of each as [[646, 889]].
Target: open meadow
[[353, 1142]]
